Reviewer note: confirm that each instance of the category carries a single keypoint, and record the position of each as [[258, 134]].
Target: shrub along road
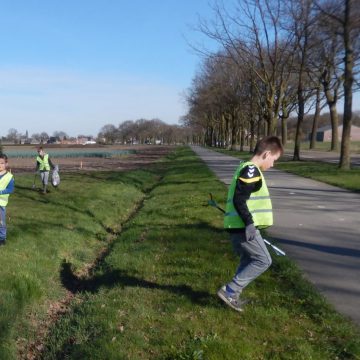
[[317, 224]]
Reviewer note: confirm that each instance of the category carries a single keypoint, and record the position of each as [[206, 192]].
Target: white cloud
[[48, 100]]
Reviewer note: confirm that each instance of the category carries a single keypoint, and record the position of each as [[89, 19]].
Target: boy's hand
[[250, 232]]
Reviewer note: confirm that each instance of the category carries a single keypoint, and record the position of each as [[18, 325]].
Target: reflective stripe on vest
[[259, 204], [44, 163], [4, 182]]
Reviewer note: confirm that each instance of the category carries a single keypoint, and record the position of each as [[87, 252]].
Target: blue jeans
[[254, 260], [2, 223]]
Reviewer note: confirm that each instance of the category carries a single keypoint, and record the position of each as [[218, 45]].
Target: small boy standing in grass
[[43, 164], [6, 188], [248, 209]]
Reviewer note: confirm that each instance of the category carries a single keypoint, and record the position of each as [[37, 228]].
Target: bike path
[[316, 224]]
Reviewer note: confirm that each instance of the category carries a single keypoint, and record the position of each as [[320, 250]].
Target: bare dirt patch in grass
[[143, 156]]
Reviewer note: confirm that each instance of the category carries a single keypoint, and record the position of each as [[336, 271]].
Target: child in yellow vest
[[248, 209], [43, 165], [6, 188]]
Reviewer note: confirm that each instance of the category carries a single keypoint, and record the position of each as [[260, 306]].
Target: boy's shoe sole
[[233, 303]]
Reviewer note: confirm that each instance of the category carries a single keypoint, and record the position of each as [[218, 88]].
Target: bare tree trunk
[[252, 132], [283, 124], [270, 128], [228, 127], [301, 104], [259, 126], [266, 128], [233, 132], [283, 130], [315, 119], [296, 156], [252, 116], [270, 112], [223, 127], [302, 39], [242, 138], [208, 136], [334, 127], [348, 82], [331, 99]]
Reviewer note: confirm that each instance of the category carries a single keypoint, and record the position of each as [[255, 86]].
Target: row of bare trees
[[276, 58], [17, 137], [144, 131]]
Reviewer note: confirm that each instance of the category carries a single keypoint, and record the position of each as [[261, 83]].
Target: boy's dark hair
[[269, 143], [3, 156]]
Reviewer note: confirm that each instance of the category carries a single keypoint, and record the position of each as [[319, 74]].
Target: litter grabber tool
[[33, 185], [277, 250], [213, 203]]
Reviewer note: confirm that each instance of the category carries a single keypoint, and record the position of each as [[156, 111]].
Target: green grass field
[[317, 170], [324, 146], [328, 173], [73, 223], [152, 293]]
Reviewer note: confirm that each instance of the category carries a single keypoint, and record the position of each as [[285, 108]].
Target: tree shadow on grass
[[337, 250], [121, 278]]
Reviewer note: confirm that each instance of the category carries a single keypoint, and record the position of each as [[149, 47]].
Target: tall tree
[[251, 33], [346, 15], [302, 20]]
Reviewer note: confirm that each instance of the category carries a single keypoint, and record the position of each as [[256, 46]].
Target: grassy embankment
[[73, 223], [153, 295], [317, 170]]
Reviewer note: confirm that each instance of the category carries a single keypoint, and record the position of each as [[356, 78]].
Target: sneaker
[[2, 242], [236, 304]]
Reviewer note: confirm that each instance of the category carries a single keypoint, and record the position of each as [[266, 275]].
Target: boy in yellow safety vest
[[249, 209], [43, 165], [6, 188]]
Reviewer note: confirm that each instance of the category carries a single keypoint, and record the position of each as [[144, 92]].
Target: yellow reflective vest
[[259, 204], [44, 162], [4, 182]]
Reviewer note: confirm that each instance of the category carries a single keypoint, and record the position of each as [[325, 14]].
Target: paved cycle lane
[[316, 224]]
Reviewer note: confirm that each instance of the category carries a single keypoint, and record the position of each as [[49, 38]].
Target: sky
[[77, 65]]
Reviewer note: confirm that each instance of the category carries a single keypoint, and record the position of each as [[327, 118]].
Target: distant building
[[53, 140], [85, 140], [324, 133]]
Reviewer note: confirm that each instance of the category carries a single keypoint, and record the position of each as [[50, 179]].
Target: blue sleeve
[[9, 189]]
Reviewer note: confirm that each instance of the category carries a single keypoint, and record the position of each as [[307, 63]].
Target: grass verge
[[154, 295], [327, 173], [317, 170], [324, 146], [73, 224]]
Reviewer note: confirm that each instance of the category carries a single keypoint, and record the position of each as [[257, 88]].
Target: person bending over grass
[[43, 165], [6, 188], [249, 209]]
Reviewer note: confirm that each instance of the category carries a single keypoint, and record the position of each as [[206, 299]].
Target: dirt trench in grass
[[34, 350]]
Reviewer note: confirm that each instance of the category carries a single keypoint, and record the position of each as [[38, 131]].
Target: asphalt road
[[316, 224]]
